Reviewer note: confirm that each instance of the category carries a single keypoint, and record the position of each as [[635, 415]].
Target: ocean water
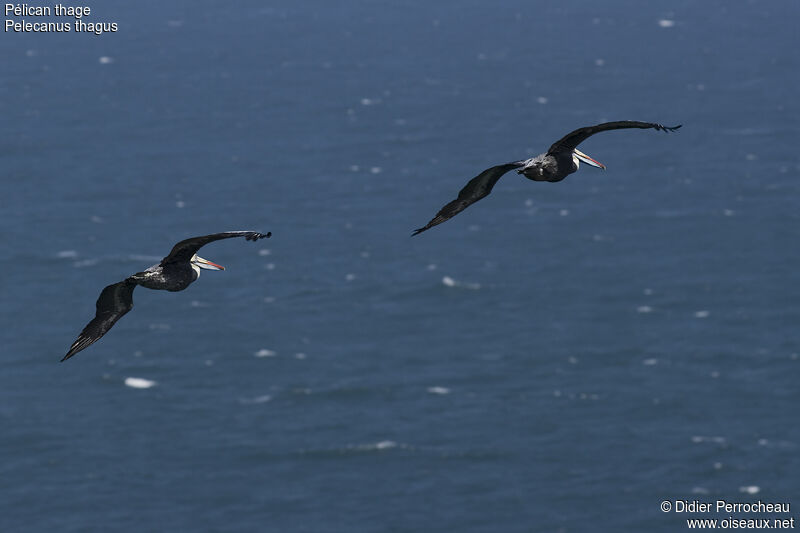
[[558, 357]]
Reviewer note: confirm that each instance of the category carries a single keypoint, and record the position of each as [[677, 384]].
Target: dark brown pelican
[[561, 160], [174, 273]]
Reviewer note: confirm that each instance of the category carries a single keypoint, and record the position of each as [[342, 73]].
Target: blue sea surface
[[556, 358]]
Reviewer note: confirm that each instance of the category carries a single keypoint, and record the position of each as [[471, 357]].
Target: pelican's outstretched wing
[[573, 139], [113, 303], [478, 187], [184, 250]]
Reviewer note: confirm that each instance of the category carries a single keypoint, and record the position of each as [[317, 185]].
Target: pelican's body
[[174, 273], [171, 277], [553, 167], [561, 160]]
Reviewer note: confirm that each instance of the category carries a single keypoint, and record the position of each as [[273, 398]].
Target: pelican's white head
[[578, 156], [198, 262]]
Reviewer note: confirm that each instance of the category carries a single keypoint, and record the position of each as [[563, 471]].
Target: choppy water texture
[[558, 357]]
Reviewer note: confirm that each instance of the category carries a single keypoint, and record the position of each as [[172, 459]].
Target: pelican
[[174, 273], [561, 160]]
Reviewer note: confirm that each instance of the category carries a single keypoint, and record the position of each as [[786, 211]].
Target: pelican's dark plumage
[[561, 160], [174, 273]]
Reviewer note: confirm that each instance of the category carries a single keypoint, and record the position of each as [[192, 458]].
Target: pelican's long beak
[[588, 160], [206, 264]]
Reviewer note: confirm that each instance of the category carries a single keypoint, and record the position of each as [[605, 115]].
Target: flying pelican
[[561, 160], [174, 273]]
